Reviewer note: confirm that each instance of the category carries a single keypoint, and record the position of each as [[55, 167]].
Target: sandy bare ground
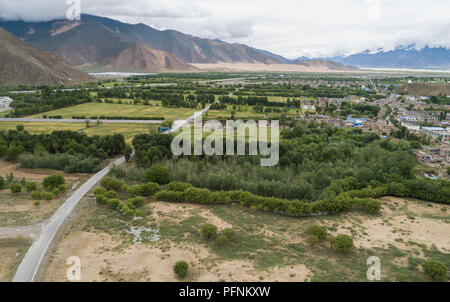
[[33, 175], [142, 263], [103, 260], [411, 221], [249, 67]]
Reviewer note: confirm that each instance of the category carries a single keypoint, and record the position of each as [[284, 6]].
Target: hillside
[[21, 63], [92, 44], [51, 35]]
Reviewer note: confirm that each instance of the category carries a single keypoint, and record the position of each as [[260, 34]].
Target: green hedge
[[296, 208]]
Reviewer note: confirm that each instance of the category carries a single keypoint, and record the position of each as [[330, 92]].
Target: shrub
[[222, 240], [134, 203], [36, 195], [31, 186], [343, 242], [113, 184], [113, 202], [181, 268], [228, 233], [157, 174], [53, 181], [436, 270], [145, 190], [15, 188], [401, 277], [208, 232], [312, 239], [316, 230], [2, 182], [111, 194], [178, 186], [36, 203], [100, 199], [100, 191], [62, 188], [56, 192], [170, 196], [48, 196]]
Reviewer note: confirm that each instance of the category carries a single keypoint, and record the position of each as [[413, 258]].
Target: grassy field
[[101, 109], [12, 252], [267, 247], [127, 130]]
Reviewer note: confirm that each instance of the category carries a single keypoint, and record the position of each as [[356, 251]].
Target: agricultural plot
[[101, 109], [127, 130]]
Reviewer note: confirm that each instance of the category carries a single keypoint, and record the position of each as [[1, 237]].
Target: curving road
[[30, 264]]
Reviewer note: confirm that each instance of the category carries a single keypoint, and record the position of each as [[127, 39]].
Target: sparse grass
[[12, 252]]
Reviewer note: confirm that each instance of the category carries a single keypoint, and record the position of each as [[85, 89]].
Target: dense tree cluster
[[61, 150], [47, 100]]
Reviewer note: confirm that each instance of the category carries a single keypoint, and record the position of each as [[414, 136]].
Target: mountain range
[[107, 43], [22, 63], [401, 57]]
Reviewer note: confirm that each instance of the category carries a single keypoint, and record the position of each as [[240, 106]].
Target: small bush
[[181, 268], [401, 277], [228, 233], [145, 190], [436, 270], [31, 186], [157, 174], [134, 203], [208, 232], [171, 196], [343, 242], [111, 194], [111, 184], [53, 181], [36, 203], [100, 191], [312, 239], [319, 231], [100, 199], [15, 188], [222, 240]]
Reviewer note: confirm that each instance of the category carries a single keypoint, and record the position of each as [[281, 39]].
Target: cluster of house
[[4, 103], [434, 155]]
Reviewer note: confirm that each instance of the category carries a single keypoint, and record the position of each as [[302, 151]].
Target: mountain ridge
[[21, 63]]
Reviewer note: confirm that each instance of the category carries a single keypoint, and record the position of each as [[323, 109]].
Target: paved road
[[180, 123], [30, 264], [43, 120]]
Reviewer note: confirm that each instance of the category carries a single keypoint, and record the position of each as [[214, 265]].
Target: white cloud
[[288, 27]]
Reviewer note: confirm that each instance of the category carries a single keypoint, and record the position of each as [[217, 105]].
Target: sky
[[292, 28]]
